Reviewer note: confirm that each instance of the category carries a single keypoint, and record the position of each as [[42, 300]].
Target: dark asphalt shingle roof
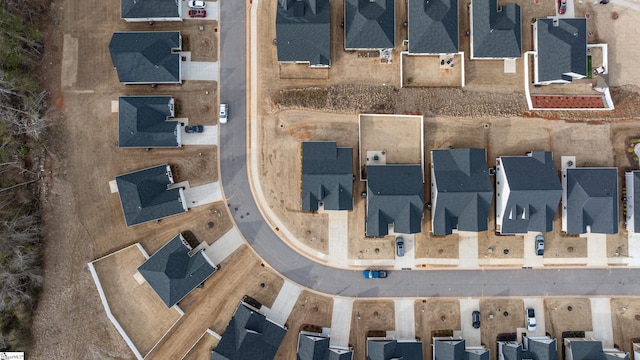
[[146, 57], [327, 176], [453, 349], [587, 350], [395, 195], [478, 354], [496, 34], [433, 26], [249, 336], [149, 9], [592, 200], [303, 31], [561, 49], [173, 274], [316, 347], [512, 350], [142, 122], [535, 192], [461, 178], [636, 200], [144, 195], [541, 349], [369, 24], [393, 349]]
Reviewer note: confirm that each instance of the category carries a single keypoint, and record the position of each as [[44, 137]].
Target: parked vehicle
[[539, 245], [193, 129], [562, 6], [224, 113], [400, 246], [374, 274], [197, 4], [476, 319], [531, 320], [197, 13]]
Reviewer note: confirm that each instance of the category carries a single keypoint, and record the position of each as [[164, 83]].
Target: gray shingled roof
[[369, 24], [512, 350], [636, 200], [327, 176], [561, 49], [395, 195], [453, 349], [316, 347], [541, 349], [146, 57], [535, 191], [173, 274], [592, 200], [249, 336], [144, 195], [149, 9], [142, 122], [587, 350], [478, 354], [304, 32], [496, 34], [461, 177], [393, 349], [433, 26]]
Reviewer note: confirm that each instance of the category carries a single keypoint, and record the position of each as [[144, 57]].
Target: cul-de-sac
[[320, 179]]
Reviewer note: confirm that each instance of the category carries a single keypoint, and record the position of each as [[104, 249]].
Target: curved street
[[299, 269]]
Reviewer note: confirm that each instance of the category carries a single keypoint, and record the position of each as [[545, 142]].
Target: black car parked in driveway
[[194, 129], [476, 319]]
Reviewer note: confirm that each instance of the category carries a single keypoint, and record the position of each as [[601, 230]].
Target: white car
[[531, 320], [197, 4], [224, 113]]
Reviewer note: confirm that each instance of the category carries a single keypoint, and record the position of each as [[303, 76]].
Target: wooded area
[[22, 124]]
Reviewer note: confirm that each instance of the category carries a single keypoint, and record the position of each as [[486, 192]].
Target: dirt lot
[[558, 318], [312, 311], [399, 137], [202, 348], [429, 71], [143, 316], [625, 317], [508, 314], [433, 315], [370, 317]]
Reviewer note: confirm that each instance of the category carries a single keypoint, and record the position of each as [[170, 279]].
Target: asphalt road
[[301, 270]]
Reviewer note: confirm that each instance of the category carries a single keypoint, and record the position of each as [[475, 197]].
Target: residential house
[[143, 122], [561, 50], [528, 192], [388, 349], [590, 349], [538, 347], [369, 24], [146, 195], [303, 32], [632, 179], [147, 57], [449, 348], [327, 176], [174, 270], [433, 27], [249, 335], [461, 190], [395, 196], [590, 200], [150, 10], [316, 346], [496, 33]]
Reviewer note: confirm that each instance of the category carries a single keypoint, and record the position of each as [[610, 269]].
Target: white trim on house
[[629, 184]]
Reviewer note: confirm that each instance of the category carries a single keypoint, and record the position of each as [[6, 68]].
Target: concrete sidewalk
[[341, 321], [282, 306]]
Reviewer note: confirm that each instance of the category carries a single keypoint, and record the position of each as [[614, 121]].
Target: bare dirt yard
[[370, 318], [625, 317], [202, 348], [435, 315], [566, 314], [508, 314]]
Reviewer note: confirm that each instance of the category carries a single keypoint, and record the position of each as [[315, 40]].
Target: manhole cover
[[506, 313], [262, 285], [210, 224], [505, 251], [570, 308]]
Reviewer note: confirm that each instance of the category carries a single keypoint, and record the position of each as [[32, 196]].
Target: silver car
[[197, 4]]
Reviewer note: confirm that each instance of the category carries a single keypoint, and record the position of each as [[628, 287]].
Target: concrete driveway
[[208, 137], [200, 70], [203, 194]]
